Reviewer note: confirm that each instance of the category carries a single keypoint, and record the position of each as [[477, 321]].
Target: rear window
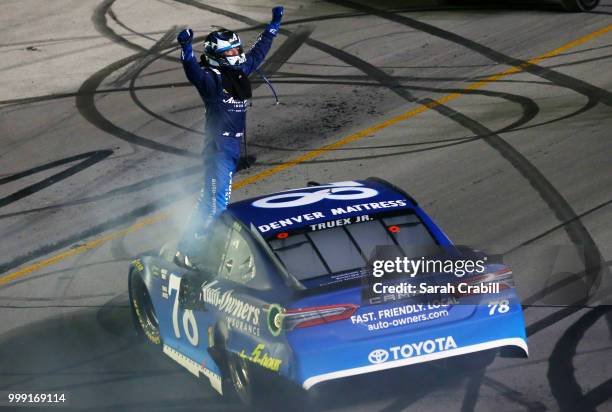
[[309, 254]]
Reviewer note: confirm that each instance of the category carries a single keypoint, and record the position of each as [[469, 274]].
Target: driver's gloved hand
[[277, 15], [185, 38]]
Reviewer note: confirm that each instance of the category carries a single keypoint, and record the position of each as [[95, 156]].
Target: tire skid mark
[[458, 142], [564, 282], [55, 272], [599, 394], [371, 71], [150, 55], [576, 231], [530, 300], [472, 391], [85, 95], [543, 360], [223, 12], [361, 147], [56, 96], [119, 221], [405, 401], [140, 104], [90, 159], [563, 211], [575, 63], [604, 385], [530, 108], [146, 34], [71, 365], [513, 394], [529, 104], [400, 77], [47, 59], [101, 25], [563, 384], [574, 227], [85, 103], [555, 317], [52, 126], [86, 106], [287, 49], [2, 306], [52, 299], [143, 184], [116, 19], [278, 58], [572, 83]]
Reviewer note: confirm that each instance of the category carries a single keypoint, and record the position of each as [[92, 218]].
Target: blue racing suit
[[223, 133]]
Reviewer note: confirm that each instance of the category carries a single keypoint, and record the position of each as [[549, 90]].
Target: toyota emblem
[[378, 356]]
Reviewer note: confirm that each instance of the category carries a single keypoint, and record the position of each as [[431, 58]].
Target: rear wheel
[[143, 310], [261, 389], [242, 377], [579, 5]]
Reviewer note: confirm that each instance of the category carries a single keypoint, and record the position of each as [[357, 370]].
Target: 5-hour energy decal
[[262, 359]]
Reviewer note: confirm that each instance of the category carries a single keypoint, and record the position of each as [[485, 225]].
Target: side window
[[238, 263], [210, 250]]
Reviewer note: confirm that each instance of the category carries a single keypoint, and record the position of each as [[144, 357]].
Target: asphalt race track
[[496, 116]]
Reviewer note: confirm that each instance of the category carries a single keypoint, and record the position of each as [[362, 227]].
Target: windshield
[[346, 245]]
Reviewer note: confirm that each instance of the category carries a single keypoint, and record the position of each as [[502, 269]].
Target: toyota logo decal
[[378, 356]]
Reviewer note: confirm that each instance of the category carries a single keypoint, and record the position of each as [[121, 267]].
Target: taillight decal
[[317, 315]]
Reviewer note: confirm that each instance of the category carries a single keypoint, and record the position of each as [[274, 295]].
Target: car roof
[[297, 208]]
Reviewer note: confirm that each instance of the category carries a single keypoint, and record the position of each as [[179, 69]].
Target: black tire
[[243, 379], [143, 310], [262, 390], [579, 5]]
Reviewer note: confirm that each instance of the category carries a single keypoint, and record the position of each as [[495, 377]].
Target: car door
[[192, 321], [246, 298]]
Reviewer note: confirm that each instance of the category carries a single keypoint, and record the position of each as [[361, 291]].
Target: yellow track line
[[307, 156]]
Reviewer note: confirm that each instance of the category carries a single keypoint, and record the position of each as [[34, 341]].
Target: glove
[[184, 38], [277, 15]]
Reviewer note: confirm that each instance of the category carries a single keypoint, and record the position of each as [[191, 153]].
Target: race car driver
[[221, 79]]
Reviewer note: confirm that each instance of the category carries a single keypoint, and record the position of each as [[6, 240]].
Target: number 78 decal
[[189, 322], [499, 306]]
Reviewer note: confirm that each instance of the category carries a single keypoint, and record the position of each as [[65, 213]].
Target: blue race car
[[283, 288]]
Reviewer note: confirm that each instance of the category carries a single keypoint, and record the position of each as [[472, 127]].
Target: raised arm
[[196, 76], [257, 53]]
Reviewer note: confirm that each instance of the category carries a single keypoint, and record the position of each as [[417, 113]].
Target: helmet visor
[[236, 59], [234, 51]]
